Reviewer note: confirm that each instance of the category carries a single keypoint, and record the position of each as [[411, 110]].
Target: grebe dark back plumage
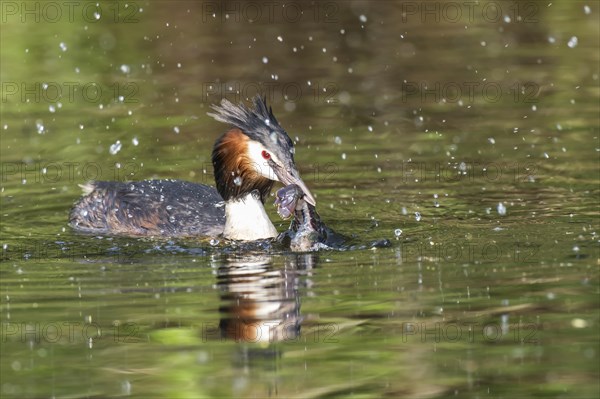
[[247, 160]]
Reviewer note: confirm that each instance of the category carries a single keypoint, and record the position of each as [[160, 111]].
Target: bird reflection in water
[[260, 302], [260, 307]]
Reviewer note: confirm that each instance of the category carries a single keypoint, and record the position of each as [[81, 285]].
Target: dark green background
[[388, 110]]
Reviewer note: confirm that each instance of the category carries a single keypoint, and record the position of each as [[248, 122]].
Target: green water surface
[[465, 134]]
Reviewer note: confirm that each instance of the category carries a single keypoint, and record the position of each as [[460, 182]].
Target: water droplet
[[398, 232], [363, 18], [176, 129], [237, 181], [337, 140], [579, 323], [417, 216], [573, 41], [279, 38], [587, 9], [344, 155], [491, 140], [214, 242], [265, 60], [135, 141], [51, 108], [62, 46], [501, 209], [39, 125], [115, 148], [125, 68], [126, 388]]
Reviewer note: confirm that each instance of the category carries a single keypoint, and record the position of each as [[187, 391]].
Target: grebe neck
[[246, 219]]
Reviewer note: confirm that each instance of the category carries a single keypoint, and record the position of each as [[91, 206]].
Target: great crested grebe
[[247, 159], [307, 232]]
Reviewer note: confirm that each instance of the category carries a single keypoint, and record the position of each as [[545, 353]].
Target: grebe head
[[254, 153]]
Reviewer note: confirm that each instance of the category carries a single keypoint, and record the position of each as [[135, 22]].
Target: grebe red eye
[[266, 155]]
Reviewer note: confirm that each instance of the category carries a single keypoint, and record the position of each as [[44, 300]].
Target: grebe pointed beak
[[292, 176]]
